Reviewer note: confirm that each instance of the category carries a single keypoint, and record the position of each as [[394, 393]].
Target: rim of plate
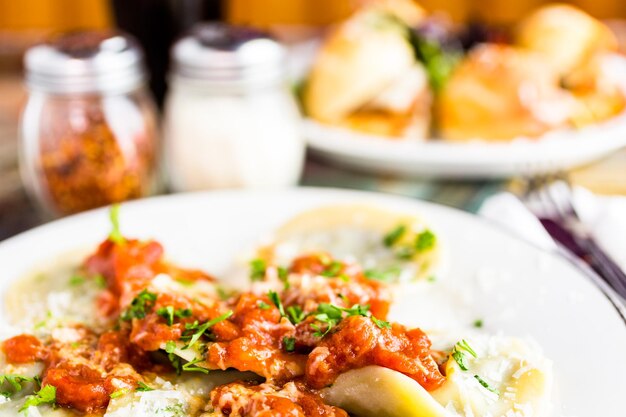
[[556, 149]]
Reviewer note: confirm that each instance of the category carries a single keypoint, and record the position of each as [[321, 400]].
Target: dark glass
[[156, 24]]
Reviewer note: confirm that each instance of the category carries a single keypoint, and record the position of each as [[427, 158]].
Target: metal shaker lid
[[85, 62], [222, 54]]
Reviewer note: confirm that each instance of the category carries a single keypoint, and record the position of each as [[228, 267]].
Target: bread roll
[[565, 35], [501, 92]]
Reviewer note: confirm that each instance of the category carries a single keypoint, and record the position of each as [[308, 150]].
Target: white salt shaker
[[231, 120]]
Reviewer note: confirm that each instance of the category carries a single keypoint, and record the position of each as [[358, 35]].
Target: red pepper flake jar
[[88, 130]]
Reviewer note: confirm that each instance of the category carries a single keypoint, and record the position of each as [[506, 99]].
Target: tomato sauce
[[24, 348], [359, 342]]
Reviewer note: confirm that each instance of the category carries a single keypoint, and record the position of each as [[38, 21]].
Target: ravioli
[[396, 247]]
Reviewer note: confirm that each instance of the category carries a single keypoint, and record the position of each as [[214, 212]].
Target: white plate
[[472, 160], [514, 287]]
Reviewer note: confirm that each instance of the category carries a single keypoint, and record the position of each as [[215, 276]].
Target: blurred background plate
[[555, 151]]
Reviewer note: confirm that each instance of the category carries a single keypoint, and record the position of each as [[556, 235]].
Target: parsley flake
[[140, 306], [257, 269], [191, 366], [394, 235], [16, 382], [46, 395], [382, 324], [116, 235], [143, 387], [169, 313], [200, 329], [478, 323], [275, 299], [289, 343], [425, 241], [486, 385], [119, 393], [76, 280], [296, 315]]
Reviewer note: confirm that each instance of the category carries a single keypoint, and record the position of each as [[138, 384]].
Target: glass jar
[[231, 120], [88, 129]]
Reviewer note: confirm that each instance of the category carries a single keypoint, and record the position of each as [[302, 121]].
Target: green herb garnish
[[76, 280], [263, 305], [330, 315], [257, 269], [275, 299], [394, 235], [115, 236], [16, 381], [289, 343], [169, 313], [140, 306], [118, 393], [385, 275], [439, 63], [478, 323], [296, 315], [194, 331], [332, 270], [46, 395], [143, 387], [283, 275], [101, 281], [486, 385], [425, 241], [191, 366], [459, 354], [381, 323]]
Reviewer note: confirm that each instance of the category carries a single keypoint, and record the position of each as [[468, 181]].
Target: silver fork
[[549, 197]]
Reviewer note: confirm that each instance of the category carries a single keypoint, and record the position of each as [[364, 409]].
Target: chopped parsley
[[119, 393], [330, 315], [143, 387], [425, 241], [382, 324], [46, 395], [169, 313], [486, 385], [263, 305], [289, 343], [115, 236], [101, 281], [332, 270], [170, 346], [478, 323], [16, 381], [257, 269], [394, 235], [76, 280], [459, 353], [439, 60], [193, 332], [283, 275], [385, 275], [191, 366], [275, 299], [224, 293], [140, 306], [296, 315]]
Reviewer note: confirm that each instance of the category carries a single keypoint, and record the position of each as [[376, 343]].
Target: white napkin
[[605, 216]]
